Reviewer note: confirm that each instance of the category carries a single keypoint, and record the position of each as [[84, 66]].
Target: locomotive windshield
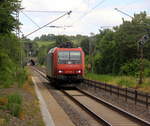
[[75, 55], [63, 55], [69, 57]]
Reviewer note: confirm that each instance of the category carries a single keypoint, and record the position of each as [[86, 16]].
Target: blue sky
[[83, 19]]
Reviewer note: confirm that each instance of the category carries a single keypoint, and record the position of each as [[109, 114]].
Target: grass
[[20, 106], [122, 81], [28, 86], [31, 105], [15, 98], [14, 104], [45, 43], [8, 79]]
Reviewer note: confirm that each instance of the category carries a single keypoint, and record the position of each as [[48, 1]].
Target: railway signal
[[143, 40], [141, 43]]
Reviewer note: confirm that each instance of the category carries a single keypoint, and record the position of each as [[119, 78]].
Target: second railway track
[[103, 112]]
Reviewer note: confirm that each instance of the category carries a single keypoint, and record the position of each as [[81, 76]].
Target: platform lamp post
[[141, 43]]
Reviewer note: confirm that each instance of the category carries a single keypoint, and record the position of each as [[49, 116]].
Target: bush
[[146, 68], [133, 68], [10, 72], [10, 61], [21, 76], [130, 68], [6, 70], [147, 72], [126, 82]]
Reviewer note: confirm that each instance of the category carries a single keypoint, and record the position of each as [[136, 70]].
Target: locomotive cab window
[[63, 55], [75, 55], [69, 57]]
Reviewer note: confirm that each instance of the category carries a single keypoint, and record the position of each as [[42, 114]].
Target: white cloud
[[101, 16], [54, 4]]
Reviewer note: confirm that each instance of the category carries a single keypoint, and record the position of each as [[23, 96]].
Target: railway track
[[104, 112]]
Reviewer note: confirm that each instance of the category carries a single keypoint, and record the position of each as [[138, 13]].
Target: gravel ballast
[[136, 109]]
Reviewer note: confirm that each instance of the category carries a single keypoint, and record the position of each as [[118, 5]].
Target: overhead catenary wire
[[68, 13], [30, 19], [146, 24], [123, 13], [86, 13], [43, 11], [106, 26], [53, 26]]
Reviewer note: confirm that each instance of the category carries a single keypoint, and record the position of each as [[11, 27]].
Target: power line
[[131, 16], [105, 27], [52, 26], [85, 14], [92, 9], [30, 19], [98, 5], [68, 13], [123, 13], [43, 11]]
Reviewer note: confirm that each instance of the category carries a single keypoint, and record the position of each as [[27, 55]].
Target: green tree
[[42, 53], [85, 45], [106, 46], [9, 44], [8, 9], [60, 39], [119, 46]]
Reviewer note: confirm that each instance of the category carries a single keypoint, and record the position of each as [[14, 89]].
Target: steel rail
[[94, 115], [107, 104], [84, 107], [98, 118], [115, 108], [128, 93]]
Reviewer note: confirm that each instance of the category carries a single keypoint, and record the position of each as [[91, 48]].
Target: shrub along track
[[113, 116]]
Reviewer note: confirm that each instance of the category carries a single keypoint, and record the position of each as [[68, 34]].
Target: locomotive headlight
[[78, 71], [60, 71]]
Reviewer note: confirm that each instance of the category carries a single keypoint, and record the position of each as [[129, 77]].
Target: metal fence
[[127, 93]]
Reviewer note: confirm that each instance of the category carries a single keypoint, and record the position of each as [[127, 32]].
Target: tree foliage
[[42, 53], [9, 44], [113, 51], [8, 10], [120, 45], [60, 39]]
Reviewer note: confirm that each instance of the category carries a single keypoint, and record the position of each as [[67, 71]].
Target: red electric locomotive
[[65, 65]]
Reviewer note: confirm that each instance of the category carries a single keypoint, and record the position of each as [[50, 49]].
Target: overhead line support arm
[[68, 13]]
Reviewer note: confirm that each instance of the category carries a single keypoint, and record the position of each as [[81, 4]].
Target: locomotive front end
[[70, 64]]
